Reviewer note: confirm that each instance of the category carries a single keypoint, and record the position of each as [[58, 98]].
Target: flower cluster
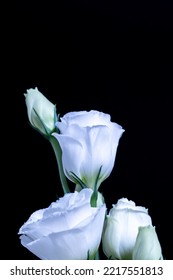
[[78, 224]]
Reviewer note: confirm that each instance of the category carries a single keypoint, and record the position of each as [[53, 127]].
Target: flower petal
[[69, 244]]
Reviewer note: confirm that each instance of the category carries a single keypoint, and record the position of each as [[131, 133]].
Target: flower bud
[[121, 229], [147, 246], [41, 112]]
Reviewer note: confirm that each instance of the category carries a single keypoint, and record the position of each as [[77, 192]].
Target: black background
[[82, 55]]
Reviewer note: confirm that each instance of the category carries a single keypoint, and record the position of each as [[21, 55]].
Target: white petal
[[124, 203], [72, 155], [54, 219], [86, 118], [111, 239]]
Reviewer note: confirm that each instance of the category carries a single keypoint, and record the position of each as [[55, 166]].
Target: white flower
[[147, 246], [41, 112], [89, 143], [68, 229], [121, 230]]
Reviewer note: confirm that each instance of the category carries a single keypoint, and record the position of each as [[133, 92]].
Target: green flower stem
[[58, 155]]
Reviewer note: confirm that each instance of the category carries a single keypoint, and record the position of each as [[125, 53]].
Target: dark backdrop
[[83, 55]]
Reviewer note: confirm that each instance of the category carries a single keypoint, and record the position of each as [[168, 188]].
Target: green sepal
[[94, 256], [98, 175], [56, 117], [93, 200], [47, 131], [77, 180]]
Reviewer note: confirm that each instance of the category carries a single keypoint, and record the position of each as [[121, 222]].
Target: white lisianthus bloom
[[147, 246], [89, 142], [69, 229], [41, 112], [121, 229]]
